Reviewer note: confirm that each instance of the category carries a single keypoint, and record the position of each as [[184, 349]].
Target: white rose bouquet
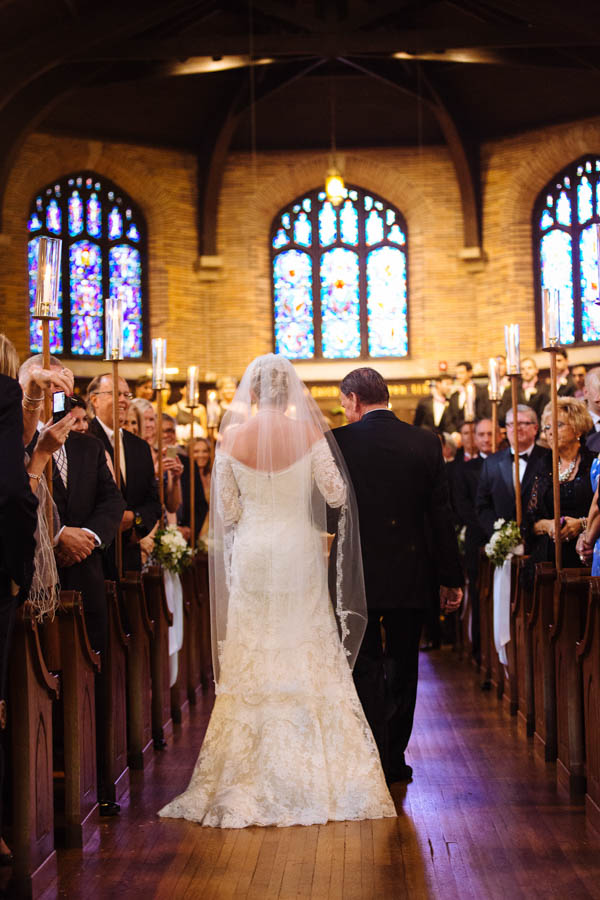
[[171, 549], [506, 541]]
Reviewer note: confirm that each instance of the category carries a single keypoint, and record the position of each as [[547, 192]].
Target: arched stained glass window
[[565, 219], [340, 278], [103, 254]]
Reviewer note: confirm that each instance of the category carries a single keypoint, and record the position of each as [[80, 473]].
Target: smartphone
[[171, 453], [59, 404]]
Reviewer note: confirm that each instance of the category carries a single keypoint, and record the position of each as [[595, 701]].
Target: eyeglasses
[[127, 395], [521, 424]]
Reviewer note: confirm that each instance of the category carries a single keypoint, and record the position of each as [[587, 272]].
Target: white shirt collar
[[109, 432]]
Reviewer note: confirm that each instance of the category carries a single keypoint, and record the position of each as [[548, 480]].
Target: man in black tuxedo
[[433, 411], [468, 394], [495, 492], [408, 547], [465, 493], [138, 481]]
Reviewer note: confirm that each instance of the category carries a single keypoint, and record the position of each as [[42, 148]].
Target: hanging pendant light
[[334, 180]]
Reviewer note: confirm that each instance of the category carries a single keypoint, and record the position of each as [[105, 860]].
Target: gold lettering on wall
[[416, 388]]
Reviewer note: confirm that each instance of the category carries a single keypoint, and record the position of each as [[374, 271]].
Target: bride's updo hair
[[269, 381]]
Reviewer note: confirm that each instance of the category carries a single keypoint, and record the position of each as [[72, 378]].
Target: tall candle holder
[[46, 309], [192, 403], [551, 341], [159, 378], [113, 346], [513, 367], [494, 395]]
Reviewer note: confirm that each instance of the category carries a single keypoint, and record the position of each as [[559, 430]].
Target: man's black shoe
[[403, 773], [108, 808]]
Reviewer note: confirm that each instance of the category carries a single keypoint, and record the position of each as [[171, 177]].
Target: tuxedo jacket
[[18, 503], [139, 489], [424, 416], [90, 500], [537, 400], [482, 406], [496, 492], [407, 538], [465, 496]]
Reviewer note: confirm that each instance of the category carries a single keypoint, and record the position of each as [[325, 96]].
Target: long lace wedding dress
[[287, 742]]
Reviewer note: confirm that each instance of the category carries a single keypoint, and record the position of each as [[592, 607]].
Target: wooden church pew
[[520, 608], [113, 687], [570, 608], [139, 689], [538, 622], [465, 616], [162, 723], [486, 624], [588, 655], [31, 694], [191, 634], [204, 633], [79, 665], [510, 693]]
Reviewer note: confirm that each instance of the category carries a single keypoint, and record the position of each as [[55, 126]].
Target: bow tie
[[524, 456]]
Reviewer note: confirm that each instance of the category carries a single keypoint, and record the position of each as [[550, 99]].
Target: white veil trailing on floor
[[279, 485]]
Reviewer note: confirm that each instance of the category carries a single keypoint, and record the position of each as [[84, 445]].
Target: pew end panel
[[544, 682], [162, 723], [588, 657], [113, 688], [180, 703], [139, 685], [520, 610], [486, 624]]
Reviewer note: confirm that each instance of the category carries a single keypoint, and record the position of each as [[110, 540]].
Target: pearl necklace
[[566, 474]]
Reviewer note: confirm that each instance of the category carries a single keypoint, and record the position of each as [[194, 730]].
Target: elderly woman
[[574, 465], [148, 420]]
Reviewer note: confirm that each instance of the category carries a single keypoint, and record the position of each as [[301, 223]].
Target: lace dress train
[[287, 742]]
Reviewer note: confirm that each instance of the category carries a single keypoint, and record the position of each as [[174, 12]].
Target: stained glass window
[[340, 278], [103, 252], [566, 218]]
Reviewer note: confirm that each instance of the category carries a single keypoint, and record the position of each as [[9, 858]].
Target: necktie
[[60, 460], [121, 454]]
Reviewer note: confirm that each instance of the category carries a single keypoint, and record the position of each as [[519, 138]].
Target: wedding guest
[[433, 411], [182, 415], [138, 482], [468, 445], [18, 522], [531, 391], [203, 460], [575, 462], [578, 375], [143, 388], [592, 398], [148, 422], [133, 420], [564, 382], [468, 396], [79, 413], [495, 491]]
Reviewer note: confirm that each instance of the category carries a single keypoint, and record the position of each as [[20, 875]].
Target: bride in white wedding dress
[[287, 742]]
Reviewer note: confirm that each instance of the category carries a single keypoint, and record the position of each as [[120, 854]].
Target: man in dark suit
[[200, 505], [465, 493], [496, 493], [531, 391], [138, 481], [408, 547], [468, 397], [564, 382], [433, 411], [591, 392]]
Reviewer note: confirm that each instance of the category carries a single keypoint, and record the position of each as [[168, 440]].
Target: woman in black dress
[[575, 461]]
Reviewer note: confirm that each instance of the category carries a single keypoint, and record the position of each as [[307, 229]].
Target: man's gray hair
[[592, 377], [523, 408]]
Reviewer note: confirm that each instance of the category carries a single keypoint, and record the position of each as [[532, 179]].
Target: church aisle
[[482, 819]]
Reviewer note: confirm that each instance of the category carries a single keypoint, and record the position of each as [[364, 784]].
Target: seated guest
[[468, 395], [531, 391], [495, 491], [575, 461], [138, 483], [578, 375], [592, 398], [465, 493], [18, 523], [433, 411]]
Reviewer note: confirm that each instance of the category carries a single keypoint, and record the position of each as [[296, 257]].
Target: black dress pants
[[385, 676]]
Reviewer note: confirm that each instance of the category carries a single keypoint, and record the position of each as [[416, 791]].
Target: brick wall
[[455, 312]]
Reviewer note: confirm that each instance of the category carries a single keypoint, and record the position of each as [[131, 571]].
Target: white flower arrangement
[[506, 541], [171, 549]]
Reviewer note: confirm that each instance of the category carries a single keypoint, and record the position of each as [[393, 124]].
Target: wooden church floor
[[481, 819]]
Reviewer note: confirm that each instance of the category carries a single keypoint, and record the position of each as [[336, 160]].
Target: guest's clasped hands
[[450, 598]]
